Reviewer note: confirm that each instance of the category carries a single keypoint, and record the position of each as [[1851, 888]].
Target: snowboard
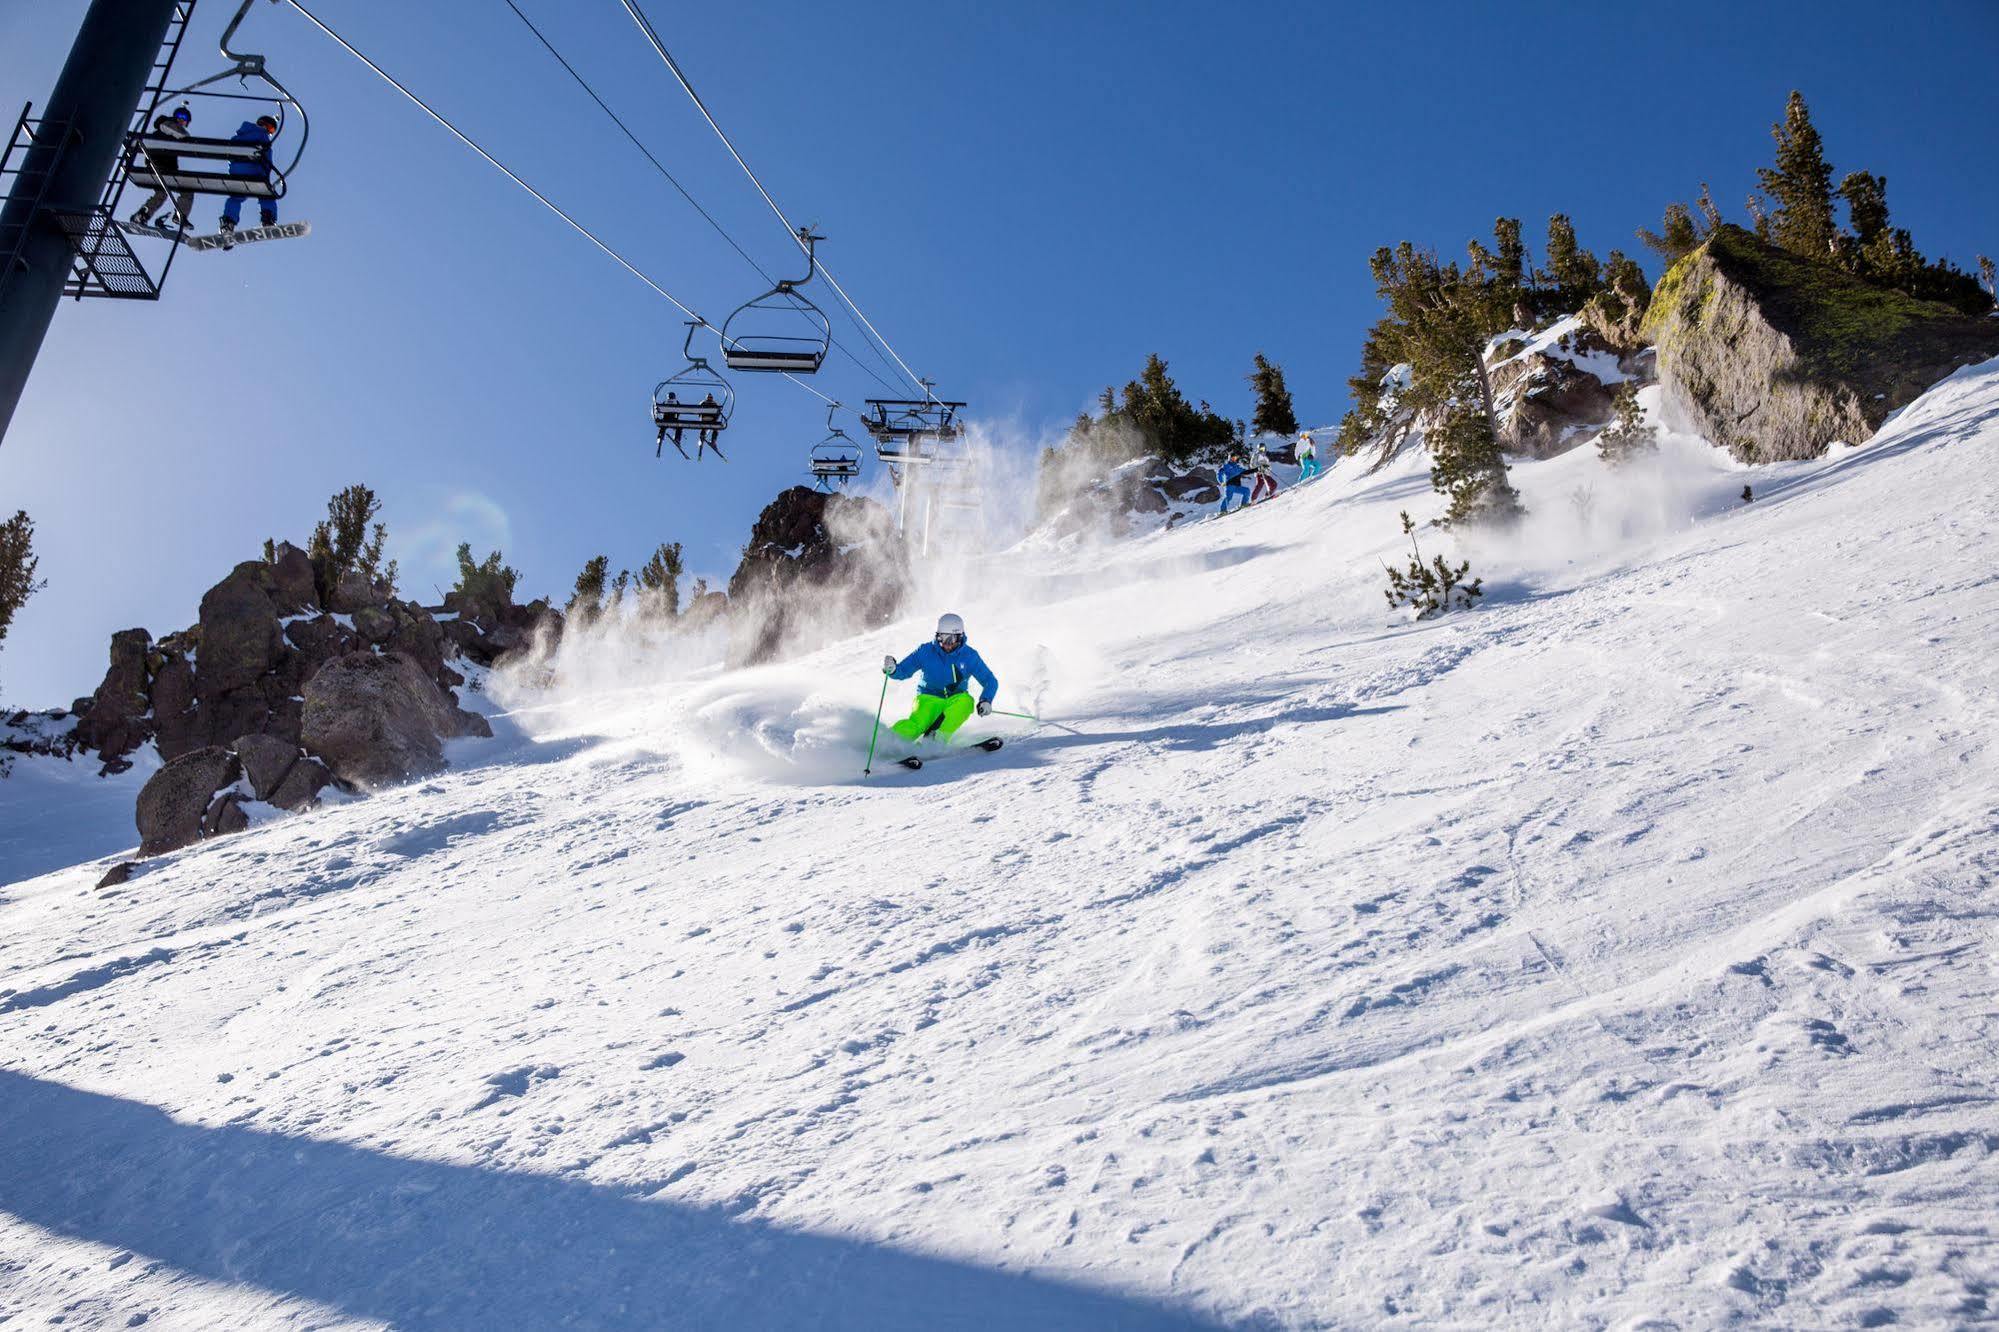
[[988, 745], [250, 236], [157, 233]]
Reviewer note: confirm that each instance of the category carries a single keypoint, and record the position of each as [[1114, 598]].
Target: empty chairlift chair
[[698, 400], [781, 331]]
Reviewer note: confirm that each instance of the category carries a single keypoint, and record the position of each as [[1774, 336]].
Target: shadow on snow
[[424, 1244]]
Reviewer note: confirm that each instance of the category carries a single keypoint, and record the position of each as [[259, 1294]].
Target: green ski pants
[[943, 715]]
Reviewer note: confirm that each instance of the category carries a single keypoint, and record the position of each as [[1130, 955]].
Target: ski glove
[[985, 706], [888, 665]]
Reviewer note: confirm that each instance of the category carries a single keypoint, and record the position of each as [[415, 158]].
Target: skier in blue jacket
[[943, 701], [1231, 474], [262, 130]]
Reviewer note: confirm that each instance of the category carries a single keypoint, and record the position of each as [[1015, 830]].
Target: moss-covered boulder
[[1773, 356]]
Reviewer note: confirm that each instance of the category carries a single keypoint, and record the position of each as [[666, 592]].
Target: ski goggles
[[949, 642]]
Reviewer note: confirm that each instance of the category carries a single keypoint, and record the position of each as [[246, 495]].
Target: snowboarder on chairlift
[[1308, 457], [1265, 482], [263, 130], [174, 126], [943, 702], [1230, 475]]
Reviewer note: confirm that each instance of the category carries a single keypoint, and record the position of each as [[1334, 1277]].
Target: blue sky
[[1026, 198]]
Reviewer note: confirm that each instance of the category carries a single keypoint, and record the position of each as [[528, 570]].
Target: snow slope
[[1622, 954]]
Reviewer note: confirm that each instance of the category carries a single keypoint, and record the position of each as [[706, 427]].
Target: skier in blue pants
[[263, 130], [1231, 474]]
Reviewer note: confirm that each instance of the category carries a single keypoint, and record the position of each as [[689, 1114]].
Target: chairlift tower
[[57, 235]]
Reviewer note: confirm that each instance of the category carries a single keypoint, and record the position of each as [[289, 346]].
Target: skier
[[263, 130], [711, 436], [1308, 458], [1265, 482], [174, 126], [1230, 475], [672, 400], [943, 702]]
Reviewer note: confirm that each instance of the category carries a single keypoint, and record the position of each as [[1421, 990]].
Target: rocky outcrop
[[240, 640], [381, 719], [176, 799], [117, 720], [1773, 356], [817, 567], [1548, 401], [292, 586]]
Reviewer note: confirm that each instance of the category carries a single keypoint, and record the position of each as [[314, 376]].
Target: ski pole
[[1024, 716], [867, 769]]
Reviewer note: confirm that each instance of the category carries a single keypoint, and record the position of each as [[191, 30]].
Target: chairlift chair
[[781, 331], [836, 459], [148, 151], [695, 399]]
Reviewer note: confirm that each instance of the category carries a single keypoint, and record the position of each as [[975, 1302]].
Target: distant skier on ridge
[[943, 702], [1307, 454], [1230, 474]]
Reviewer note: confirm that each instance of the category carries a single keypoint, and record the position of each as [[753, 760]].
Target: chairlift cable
[[545, 201], [652, 36], [671, 179]]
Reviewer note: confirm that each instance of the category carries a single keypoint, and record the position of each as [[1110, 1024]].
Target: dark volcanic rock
[[377, 720], [374, 624], [817, 567], [115, 722], [292, 588], [174, 799], [224, 815], [267, 761], [356, 593], [117, 874], [302, 785], [1773, 356], [177, 720], [239, 631], [318, 641]]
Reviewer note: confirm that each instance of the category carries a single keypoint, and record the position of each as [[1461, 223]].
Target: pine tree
[[1801, 185], [619, 586], [342, 543], [1505, 269], [659, 582], [1677, 236], [485, 587], [1431, 588], [1443, 319], [1154, 406], [1628, 437], [1273, 414], [17, 568], [1987, 276], [1710, 214], [1573, 273], [1759, 215], [588, 599]]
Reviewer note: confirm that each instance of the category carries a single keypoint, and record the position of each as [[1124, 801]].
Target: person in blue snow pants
[[1231, 474], [261, 130], [1308, 458]]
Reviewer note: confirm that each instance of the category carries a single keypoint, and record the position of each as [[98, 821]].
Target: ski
[[914, 763], [249, 236]]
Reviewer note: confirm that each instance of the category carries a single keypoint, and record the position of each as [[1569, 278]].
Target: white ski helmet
[[949, 623]]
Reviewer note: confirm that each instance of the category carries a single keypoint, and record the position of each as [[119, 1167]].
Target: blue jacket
[[1231, 472], [945, 673], [250, 132]]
